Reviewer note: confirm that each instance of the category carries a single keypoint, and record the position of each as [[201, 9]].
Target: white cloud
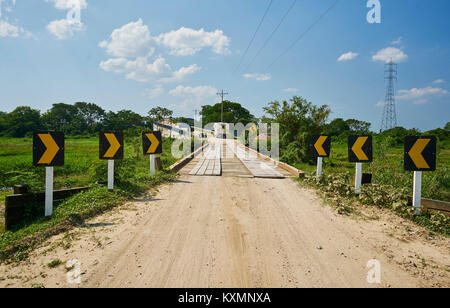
[[199, 92], [63, 29], [380, 104], [133, 40], [187, 42], [8, 30], [416, 93], [259, 77], [439, 81], [347, 56], [155, 92], [142, 71], [390, 54], [397, 41], [194, 95], [68, 4], [290, 90]]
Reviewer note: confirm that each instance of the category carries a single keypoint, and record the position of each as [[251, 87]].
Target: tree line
[[75, 120]]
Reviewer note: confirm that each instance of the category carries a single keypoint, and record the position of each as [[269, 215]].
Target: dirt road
[[239, 232]]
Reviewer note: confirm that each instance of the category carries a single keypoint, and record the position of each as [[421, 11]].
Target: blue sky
[[139, 54]]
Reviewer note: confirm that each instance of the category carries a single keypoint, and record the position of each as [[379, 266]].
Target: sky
[[139, 54]]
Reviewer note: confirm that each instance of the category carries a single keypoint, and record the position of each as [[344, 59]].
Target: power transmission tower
[[389, 119], [222, 94]]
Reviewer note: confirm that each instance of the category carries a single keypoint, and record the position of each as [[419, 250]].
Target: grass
[[82, 168], [387, 169]]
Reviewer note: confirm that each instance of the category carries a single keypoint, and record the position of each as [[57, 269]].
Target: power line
[[254, 36], [272, 34], [302, 35], [222, 94]]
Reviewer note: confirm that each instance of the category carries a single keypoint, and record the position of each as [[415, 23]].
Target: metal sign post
[[48, 191], [358, 178], [320, 148], [152, 146], [319, 166], [111, 148], [110, 174], [420, 156], [152, 165], [48, 152], [417, 191]]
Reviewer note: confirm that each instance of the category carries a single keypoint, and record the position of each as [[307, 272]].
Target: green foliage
[[159, 114], [232, 113], [20, 122], [298, 120], [339, 188]]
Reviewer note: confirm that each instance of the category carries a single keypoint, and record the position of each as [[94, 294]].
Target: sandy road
[[239, 231]]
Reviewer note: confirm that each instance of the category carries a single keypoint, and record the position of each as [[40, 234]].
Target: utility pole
[[222, 94], [389, 119]]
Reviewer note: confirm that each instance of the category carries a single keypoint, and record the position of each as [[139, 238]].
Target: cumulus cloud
[[390, 54], [187, 42], [8, 30], [63, 29], [142, 71], [421, 93], [439, 81], [130, 41], [259, 77], [347, 56]]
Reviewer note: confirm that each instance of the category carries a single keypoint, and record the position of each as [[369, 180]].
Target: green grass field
[[82, 166], [387, 169]]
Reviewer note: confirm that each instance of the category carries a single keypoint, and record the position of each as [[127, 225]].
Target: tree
[[61, 117], [298, 120], [90, 116], [232, 113], [337, 127], [447, 126], [123, 120], [357, 126], [3, 118], [22, 121], [160, 113]]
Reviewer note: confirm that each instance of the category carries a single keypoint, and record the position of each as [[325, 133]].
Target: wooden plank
[[434, 205]]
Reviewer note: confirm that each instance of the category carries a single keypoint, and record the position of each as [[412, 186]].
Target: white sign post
[[319, 166], [152, 165], [111, 174], [48, 191], [358, 178], [417, 191]]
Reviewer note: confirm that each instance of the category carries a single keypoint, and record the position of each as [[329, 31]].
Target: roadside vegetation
[[82, 168]]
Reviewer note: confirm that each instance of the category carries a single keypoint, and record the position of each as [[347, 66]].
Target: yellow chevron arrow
[[52, 148], [154, 143], [416, 153], [357, 148], [319, 145], [115, 146]]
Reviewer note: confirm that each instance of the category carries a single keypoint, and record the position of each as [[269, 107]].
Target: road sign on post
[[152, 144], [359, 152], [320, 148], [111, 149], [420, 155], [48, 152]]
